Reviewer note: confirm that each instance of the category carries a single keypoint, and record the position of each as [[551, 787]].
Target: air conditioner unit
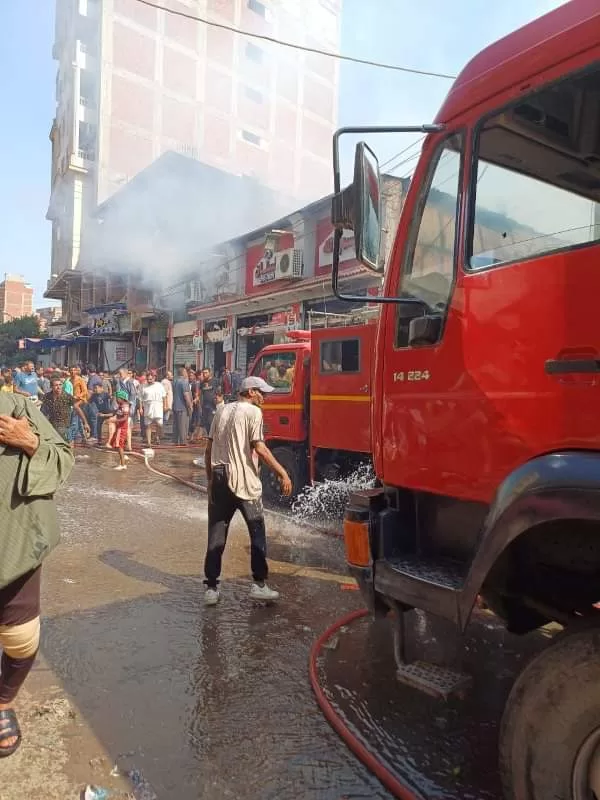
[[289, 264]]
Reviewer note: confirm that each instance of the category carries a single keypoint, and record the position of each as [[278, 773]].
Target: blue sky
[[432, 34]]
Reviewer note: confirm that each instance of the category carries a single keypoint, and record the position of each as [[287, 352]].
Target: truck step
[[442, 572], [433, 679], [431, 584]]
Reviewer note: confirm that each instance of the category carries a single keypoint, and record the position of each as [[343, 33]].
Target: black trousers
[[222, 505]]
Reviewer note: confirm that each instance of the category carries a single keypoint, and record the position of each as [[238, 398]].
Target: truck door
[[341, 388], [283, 409], [429, 425]]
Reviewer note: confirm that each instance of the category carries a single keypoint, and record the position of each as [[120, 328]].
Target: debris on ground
[[59, 708], [95, 793], [141, 788], [332, 642]]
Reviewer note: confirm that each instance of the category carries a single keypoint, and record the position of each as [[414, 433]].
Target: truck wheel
[[271, 489], [550, 732]]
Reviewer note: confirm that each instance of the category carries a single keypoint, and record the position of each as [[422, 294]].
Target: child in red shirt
[[121, 421]]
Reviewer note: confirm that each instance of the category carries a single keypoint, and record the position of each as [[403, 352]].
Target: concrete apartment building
[[134, 82], [16, 298]]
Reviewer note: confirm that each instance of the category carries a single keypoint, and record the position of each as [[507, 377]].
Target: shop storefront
[[254, 333], [218, 341], [111, 344]]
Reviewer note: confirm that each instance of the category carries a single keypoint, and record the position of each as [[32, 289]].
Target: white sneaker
[[263, 592], [120, 468], [211, 597]]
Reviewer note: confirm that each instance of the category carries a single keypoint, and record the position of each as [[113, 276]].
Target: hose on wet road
[[368, 758], [387, 778]]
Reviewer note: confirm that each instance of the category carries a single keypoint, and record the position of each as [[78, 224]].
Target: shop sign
[[122, 352], [284, 319], [347, 249], [228, 342], [198, 342], [105, 322], [116, 354], [264, 271], [216, 336], [185, 352]]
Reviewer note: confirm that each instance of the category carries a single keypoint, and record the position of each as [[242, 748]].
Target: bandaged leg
[[19, 644]]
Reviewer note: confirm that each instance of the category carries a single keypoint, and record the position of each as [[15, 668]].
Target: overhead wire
[[401, 152], [294, 46]]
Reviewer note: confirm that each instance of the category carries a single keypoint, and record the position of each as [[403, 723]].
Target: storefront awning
[[73, 331], [48, 343]]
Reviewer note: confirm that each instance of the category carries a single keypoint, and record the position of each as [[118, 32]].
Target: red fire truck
[[486, 393], [317, 421]]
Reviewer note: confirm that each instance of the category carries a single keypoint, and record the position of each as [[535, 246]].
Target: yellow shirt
[[7, 387]]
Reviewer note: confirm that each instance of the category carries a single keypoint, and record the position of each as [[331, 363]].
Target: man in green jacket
[[34, 462]]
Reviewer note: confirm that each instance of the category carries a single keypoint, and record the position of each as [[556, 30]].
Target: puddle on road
[[445, 750]]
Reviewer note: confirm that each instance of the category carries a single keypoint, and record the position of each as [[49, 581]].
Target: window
[[341, 356], [253, 94], [87, 140], [428, 272], [277, 369], [254, 53], [258, 8], [248, 136], [538, 175]]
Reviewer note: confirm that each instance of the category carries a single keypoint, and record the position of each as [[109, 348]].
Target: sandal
[[9, 727]]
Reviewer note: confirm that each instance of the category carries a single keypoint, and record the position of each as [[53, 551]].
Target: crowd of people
[[89, 406]]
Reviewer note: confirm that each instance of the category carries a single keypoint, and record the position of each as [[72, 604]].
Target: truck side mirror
[[367, 214], [358, 207], [424, 330]]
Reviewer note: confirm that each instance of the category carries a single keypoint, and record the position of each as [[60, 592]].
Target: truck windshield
[[277, 369]]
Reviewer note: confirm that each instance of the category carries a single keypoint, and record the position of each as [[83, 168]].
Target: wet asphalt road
[[216, 703], [208, 703]]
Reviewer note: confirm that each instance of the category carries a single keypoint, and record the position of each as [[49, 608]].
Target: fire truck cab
[[318, 418], [486, 392]]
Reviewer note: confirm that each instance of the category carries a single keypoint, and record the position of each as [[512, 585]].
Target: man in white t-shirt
[[235, 447], [154, 401]]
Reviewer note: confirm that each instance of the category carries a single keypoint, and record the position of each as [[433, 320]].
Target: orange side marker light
[[356, 539]]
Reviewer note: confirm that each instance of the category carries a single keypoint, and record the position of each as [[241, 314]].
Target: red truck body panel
[[340, 402]]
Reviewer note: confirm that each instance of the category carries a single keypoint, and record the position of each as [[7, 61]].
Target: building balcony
[[82, 160]]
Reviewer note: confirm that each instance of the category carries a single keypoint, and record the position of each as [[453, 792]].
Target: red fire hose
[[370, 761]]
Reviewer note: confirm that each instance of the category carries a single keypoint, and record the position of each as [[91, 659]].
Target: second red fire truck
[[318, 419]]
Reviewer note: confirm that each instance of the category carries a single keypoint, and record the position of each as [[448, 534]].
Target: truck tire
[[550, 731], [290, 461]]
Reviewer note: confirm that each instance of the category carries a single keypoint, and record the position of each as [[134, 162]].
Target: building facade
[[134, 82], [16, 298], [48, 316]]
